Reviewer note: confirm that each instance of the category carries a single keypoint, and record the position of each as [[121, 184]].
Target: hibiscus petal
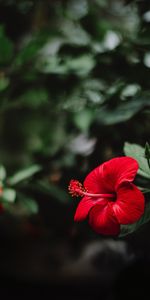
[[83, 208], [129, 206], [103, 221], [118, 170], [108, 176], [85, 205], [96, 183]]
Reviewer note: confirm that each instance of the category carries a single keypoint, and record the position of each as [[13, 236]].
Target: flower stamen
[[77, 189]]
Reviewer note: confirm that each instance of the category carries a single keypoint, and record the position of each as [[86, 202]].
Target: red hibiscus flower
[[109, 196]]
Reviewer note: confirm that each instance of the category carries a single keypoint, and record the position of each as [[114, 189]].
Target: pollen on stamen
[[76, 188]]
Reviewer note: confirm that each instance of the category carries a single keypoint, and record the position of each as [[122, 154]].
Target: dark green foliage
[[70, 69], [127, 229], [147, 153]]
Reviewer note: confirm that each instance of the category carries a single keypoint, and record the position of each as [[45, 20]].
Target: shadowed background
[[74, 86]]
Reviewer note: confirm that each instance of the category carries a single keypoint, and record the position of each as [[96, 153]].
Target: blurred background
[[74, 87]]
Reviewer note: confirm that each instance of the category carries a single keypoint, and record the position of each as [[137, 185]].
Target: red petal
[[96, 183], [103, 221], [85, 205], [110, 174], [129, 206]]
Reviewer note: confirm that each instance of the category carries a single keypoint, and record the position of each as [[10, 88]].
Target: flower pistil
[[76, 189]]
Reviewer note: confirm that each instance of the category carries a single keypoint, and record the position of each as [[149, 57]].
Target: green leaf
[[4, 82], [51, 64], [30, 49], [127, 229], [2, 173], [74, 33], [24, 174], [55, 138], [29, 205], [147, 150], [81, 65], [6, 48], [24, 206], [83, 119], [124, 110], [147, 153], [94, 97], [9, 195], [52, 190], [77, 9], [34, 98], [138, 152], [130, 90]]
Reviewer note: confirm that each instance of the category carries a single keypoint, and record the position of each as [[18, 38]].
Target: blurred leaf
[[68, 160], [94, 84], [29, 50], [130, 90], [147, 59], [2, 173], [9, 195], [29, 205], [101, 3], [94, 97], [51, 47], [4, 82], [74, 102], [123, 112], [83, 119], [34, 98], [24, 174], [51, 64], [74, 33], [81, 65], [24, 206], [114, 90], [127, 229], [51, 190], [6, 48], [77, 9], [138, 152], [55, 138]]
